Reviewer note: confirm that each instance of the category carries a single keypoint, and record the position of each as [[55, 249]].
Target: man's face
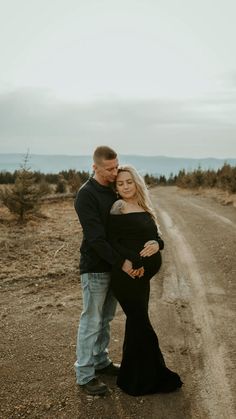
[[107, 170]]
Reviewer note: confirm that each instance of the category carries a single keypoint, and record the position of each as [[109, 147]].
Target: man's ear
[[94, 166]]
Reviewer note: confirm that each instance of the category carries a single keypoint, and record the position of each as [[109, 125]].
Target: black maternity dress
[[143, 369]]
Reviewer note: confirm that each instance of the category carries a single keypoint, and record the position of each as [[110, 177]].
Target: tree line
[[71, 180], [8, 178], [24, 189], [223, 178]]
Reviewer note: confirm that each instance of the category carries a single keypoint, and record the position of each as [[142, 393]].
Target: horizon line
[[120, 154]]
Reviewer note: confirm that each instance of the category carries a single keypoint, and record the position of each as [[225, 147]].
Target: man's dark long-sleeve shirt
[[92, 204]]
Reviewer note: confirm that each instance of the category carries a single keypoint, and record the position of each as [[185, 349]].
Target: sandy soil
[[192, 308]]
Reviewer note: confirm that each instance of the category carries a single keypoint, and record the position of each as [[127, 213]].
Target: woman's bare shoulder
[[118, 207]]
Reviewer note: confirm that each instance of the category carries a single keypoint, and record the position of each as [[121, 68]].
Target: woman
[[134, 234]]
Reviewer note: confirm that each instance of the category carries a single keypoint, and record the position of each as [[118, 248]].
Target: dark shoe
[[94, 387], [111, 369], [171, 381]]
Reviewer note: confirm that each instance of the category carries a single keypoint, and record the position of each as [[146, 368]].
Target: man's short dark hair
[[103, 152]]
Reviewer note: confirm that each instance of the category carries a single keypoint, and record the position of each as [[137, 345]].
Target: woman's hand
[[138, 272], [150, 248]]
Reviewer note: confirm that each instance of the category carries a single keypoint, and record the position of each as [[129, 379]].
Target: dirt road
[[192, 308]]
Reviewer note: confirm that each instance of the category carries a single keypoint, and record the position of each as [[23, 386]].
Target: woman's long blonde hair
[[143, 197]]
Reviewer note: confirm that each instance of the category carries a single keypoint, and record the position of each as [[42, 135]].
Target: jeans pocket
[[99, 282]]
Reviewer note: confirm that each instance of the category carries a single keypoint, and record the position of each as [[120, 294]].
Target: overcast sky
[[152, 77]]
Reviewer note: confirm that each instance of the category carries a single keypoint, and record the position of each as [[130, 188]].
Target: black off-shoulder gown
[[143, 369]]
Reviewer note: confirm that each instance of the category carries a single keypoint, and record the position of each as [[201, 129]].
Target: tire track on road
[[214, 389], [213, 214]]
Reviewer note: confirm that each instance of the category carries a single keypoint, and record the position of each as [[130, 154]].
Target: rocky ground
[[192, 308]]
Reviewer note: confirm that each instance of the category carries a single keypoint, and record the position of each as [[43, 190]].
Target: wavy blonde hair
[[143, 197]]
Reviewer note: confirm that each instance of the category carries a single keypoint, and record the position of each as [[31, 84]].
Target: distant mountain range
[[156, 165]]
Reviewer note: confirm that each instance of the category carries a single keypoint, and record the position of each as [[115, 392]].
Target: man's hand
[[127, 267], [150, 248]]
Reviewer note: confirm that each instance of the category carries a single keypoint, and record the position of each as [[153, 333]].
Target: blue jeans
[[99, 306]]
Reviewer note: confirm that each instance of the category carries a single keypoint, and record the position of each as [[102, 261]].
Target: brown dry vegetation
[[191, 308]]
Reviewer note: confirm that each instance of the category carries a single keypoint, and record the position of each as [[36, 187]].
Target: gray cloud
[[37, 112], [38, 119]]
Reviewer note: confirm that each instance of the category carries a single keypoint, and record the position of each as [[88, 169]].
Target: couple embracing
[[120, 253]]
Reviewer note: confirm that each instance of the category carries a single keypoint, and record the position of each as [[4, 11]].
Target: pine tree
[[24, 198], [61, 186], [74, 181]]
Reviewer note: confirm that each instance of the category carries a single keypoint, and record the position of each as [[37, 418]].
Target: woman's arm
[[152, 246], [114, 238]]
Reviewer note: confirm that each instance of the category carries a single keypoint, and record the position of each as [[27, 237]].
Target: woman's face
[[125, 185]]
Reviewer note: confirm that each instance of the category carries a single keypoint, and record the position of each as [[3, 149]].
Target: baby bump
[[152, 264]]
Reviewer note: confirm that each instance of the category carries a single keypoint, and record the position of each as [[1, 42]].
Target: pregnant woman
[[133, 233]]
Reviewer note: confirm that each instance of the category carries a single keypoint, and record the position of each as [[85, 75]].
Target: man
[[92, 204]]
